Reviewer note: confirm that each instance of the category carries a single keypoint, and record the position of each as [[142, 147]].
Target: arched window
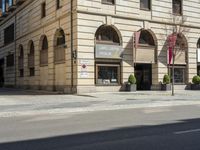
[[146, 38], [31, 57], [107, 35], [108, 50], [44, 52], [21, 61], [59, 52]]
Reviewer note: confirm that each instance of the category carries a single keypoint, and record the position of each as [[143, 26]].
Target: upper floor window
[[43, 10], [9, 34], [108, 2], [59, 4], [145, 4], [177, 7]]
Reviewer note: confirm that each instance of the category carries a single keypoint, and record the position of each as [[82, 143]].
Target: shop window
[[10, 60], [59, 52], [44, 52], [9, 34], [107, 35], [145, 4], [31, 57], [179, 74], [43, 10], [107, 74], [177, 7], [112, 2]]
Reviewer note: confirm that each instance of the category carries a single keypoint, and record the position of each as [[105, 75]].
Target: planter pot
[[131, 87], [195, 86], [166, 87]]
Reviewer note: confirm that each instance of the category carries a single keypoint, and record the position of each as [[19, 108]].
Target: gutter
[[72, 47], [15, 51]]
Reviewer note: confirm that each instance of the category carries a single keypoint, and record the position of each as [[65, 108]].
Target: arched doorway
[[145, 56], [60, 47], [21, 61], [180, 61], [108, 49], [198, 57]]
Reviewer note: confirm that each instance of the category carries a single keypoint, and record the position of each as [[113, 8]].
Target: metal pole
[[173, 71]]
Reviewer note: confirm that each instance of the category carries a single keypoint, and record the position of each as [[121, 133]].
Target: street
[[159, 128]]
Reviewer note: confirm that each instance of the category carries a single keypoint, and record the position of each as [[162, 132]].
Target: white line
[[187, 131]]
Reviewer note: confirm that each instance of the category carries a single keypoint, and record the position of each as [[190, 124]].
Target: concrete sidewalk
[[14, 102]]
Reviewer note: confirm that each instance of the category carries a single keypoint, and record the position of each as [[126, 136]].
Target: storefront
[[145, 56], [108, 50]]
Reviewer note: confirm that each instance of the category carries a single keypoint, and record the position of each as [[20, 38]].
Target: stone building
[[88, 45]]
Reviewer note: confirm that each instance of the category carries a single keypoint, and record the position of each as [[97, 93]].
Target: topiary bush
[[132, 79], [196, 80], [166, 79]]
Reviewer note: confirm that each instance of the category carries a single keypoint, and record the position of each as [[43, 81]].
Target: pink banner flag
[[171, 44], [170, 55], [137, 38]]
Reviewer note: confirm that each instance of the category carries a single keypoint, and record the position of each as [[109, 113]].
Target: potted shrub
[[195, 83], [166, 85], [131, 86]]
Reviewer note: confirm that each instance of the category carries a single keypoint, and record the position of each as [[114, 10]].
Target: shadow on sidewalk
[[14, 91], [183, 135]]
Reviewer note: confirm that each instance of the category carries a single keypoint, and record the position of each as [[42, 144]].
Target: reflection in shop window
[[179, 75], [107, 75]]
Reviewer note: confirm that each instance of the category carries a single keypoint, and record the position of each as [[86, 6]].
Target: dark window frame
[[10, 60], [58, 4], [180, 5], [108, 2], [43, 10], [9, 34], [148, 8]]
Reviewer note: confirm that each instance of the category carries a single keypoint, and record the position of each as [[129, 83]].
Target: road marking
[[187, 131]]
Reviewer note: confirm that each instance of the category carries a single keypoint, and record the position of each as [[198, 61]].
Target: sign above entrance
[[108, 51]]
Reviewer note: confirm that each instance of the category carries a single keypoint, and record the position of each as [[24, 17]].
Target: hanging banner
[[171, 44]]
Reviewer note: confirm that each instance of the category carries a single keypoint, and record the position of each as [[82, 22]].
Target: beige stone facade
[[81, 69]]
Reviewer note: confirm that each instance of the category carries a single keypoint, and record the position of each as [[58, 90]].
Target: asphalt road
[[161, 128]]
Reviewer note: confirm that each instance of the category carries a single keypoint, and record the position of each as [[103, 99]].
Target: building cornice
[[135, 18]]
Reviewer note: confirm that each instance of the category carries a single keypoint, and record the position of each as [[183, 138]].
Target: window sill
[[59, 62], [108, 84], [108, 3], [43, 65], [145, 9]]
